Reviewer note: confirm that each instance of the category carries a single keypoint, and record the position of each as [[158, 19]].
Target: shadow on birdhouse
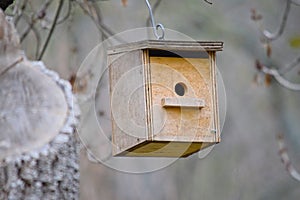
[[163, 98]]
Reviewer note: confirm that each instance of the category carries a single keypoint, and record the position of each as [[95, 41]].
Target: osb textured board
[[184, 124]]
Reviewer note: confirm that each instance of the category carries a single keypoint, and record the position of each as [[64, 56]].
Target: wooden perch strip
[[183, 102]]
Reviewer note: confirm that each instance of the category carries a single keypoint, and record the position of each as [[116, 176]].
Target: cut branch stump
[[39, 151]]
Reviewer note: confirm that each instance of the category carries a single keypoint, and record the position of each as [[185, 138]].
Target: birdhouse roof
[[168, 46]]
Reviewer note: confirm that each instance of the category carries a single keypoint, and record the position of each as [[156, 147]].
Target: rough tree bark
[[39, 150]]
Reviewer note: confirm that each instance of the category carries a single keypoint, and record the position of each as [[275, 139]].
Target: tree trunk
[[39, 151], [49, 172]]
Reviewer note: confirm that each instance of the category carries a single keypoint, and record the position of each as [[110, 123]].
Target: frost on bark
[[39, 150]]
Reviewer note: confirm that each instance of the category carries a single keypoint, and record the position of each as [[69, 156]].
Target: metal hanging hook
[[155, 26]]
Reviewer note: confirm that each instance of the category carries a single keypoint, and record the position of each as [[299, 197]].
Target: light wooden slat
[[168, 45], [183, 102]]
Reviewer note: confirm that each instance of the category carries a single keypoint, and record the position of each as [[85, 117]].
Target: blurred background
[[246, 164]]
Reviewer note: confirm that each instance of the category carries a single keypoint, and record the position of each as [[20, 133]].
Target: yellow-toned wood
[[182, 102], [164, 149], [182, 124], [163, 98], [148, 99]]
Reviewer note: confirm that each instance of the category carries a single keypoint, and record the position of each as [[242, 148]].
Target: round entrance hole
[[180, 89]]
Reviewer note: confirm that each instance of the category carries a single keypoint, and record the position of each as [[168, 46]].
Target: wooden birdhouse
[[163, 98]]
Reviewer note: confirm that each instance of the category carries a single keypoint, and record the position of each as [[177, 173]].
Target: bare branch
[[20, 12], [12, 65], [268, 36], [280, 79], [35, 32], [99, 24], [290, 66], [60, 4], [16, 7], [40, 14], [28, 28], [31, 21], [286, 159], [64, 18], [208, 2], [88, 12], [96, 13]]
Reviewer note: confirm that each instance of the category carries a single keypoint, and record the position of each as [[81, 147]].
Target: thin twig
[[95, 12], [286, 159], [290, 66], [42, 10], [16, 7], [32, 20], [100, 26], [36, 34], [208, 2], [268, 36], [30, 24], [60, 4], [96, 22], [63, 19], [12, 65], [280, 79], [19, 15]]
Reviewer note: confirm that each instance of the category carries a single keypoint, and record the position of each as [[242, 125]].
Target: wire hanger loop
[[155, 26]]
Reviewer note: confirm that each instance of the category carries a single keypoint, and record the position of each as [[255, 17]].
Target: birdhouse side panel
[[215, 103], [127, 98]]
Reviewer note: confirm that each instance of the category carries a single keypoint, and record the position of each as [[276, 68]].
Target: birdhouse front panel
[[169, 100], [182, 80]]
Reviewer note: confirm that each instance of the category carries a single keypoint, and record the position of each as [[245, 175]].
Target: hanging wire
[[155, 26]]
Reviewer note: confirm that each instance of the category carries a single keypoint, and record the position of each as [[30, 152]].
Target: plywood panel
[[184, 124], [164, 149], [128, 107], [152, 118], [216, 122]]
